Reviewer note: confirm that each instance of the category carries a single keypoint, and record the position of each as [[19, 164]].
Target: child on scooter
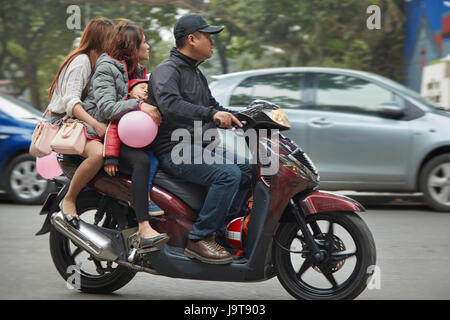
[[137, 89]]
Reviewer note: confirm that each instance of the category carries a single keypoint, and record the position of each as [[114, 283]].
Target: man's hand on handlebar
[[225, 120]]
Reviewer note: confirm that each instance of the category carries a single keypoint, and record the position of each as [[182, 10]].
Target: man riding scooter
[[181, 92]]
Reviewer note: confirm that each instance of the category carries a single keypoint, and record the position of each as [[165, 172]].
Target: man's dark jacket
[[181, 93]]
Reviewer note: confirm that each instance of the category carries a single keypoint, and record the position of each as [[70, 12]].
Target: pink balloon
[[48, 166], [137, 129]]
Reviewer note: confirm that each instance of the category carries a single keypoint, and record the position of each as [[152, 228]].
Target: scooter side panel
[[284, 186], [172, 263], [116, 188], [178, 219]]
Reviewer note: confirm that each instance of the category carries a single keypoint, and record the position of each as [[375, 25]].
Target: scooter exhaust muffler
[[102, 243]]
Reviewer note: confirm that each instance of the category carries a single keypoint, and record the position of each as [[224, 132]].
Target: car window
[[283, 89], [342, 93], [242, 94], [17, 108], [407, 91]]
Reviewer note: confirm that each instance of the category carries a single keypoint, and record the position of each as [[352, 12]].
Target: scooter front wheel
[[341, 270]]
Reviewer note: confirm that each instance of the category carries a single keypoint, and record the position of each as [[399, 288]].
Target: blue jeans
[[154, 163], [228, 186]]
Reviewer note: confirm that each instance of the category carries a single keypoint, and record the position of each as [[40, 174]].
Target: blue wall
[[424, 21]]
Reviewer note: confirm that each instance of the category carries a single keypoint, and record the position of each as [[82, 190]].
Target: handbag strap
[[39, 128], [71, 126], [57, 123], [62, 119], [43, 115]]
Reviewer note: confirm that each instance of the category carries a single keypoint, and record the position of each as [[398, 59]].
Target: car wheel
[[435, 183], [23, 182]]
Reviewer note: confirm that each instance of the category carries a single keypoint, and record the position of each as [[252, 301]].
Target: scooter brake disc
[[338, 246]]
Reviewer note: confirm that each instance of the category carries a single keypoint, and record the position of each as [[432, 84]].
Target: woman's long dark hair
[[93, 43], [125, 42]]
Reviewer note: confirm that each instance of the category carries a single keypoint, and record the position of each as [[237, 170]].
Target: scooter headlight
[[279, 117], [291, 164]]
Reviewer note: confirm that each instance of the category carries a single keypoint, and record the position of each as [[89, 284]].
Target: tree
[[31, 34], [314, 33], [34, 37]]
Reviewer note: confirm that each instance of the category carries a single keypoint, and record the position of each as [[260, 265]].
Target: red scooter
[[313, 241]]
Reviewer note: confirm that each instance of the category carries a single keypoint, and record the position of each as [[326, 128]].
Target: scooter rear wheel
[[92, 276], [348, 257]]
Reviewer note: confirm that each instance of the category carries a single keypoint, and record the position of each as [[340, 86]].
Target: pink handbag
[[42, 136], [70, 139]]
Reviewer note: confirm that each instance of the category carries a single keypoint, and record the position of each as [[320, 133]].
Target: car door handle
[[321, 122]]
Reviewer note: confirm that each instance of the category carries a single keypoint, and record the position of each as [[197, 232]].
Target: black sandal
[[72, 218], [150, 242]]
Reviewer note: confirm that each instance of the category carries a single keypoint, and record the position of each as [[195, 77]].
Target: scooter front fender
[[322, 201]]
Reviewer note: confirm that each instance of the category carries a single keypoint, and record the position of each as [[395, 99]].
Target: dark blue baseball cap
[[191, 23]]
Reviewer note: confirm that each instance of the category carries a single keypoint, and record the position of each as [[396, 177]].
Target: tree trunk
[[33, 84], [319, 42], [223, 60], [221, 48]]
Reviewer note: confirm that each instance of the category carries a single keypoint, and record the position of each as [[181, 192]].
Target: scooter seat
[[190, 193], [69, 163]]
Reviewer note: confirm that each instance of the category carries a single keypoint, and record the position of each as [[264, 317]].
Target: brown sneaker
[[207, 251]]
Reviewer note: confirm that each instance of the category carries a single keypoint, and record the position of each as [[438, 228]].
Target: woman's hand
[[100, 129], [81, 114], [152, 111], [111, 169]]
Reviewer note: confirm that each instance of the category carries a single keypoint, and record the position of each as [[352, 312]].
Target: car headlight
[[279, 117]]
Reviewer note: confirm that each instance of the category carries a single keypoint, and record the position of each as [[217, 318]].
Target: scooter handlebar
[[234, 125]]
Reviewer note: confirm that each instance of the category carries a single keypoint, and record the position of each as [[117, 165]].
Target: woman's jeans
[[228, 186]]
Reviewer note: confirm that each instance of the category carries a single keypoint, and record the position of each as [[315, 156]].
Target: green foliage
[[30, 37], [438, 61], [314, 33], [34, 37]]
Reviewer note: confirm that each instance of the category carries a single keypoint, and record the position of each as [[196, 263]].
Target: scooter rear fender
[[51, 205], [322, 201]]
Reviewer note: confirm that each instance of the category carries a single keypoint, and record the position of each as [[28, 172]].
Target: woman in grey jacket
[[108, 100]]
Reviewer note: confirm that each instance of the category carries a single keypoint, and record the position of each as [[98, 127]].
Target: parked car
[[363, 131], [18, 173]]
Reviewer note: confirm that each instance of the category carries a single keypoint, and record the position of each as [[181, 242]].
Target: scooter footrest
[[148, 250]]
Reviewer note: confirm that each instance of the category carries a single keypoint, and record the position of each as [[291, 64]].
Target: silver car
[[363, 131]]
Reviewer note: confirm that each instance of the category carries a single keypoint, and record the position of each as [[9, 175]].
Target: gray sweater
[[108, 91]]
